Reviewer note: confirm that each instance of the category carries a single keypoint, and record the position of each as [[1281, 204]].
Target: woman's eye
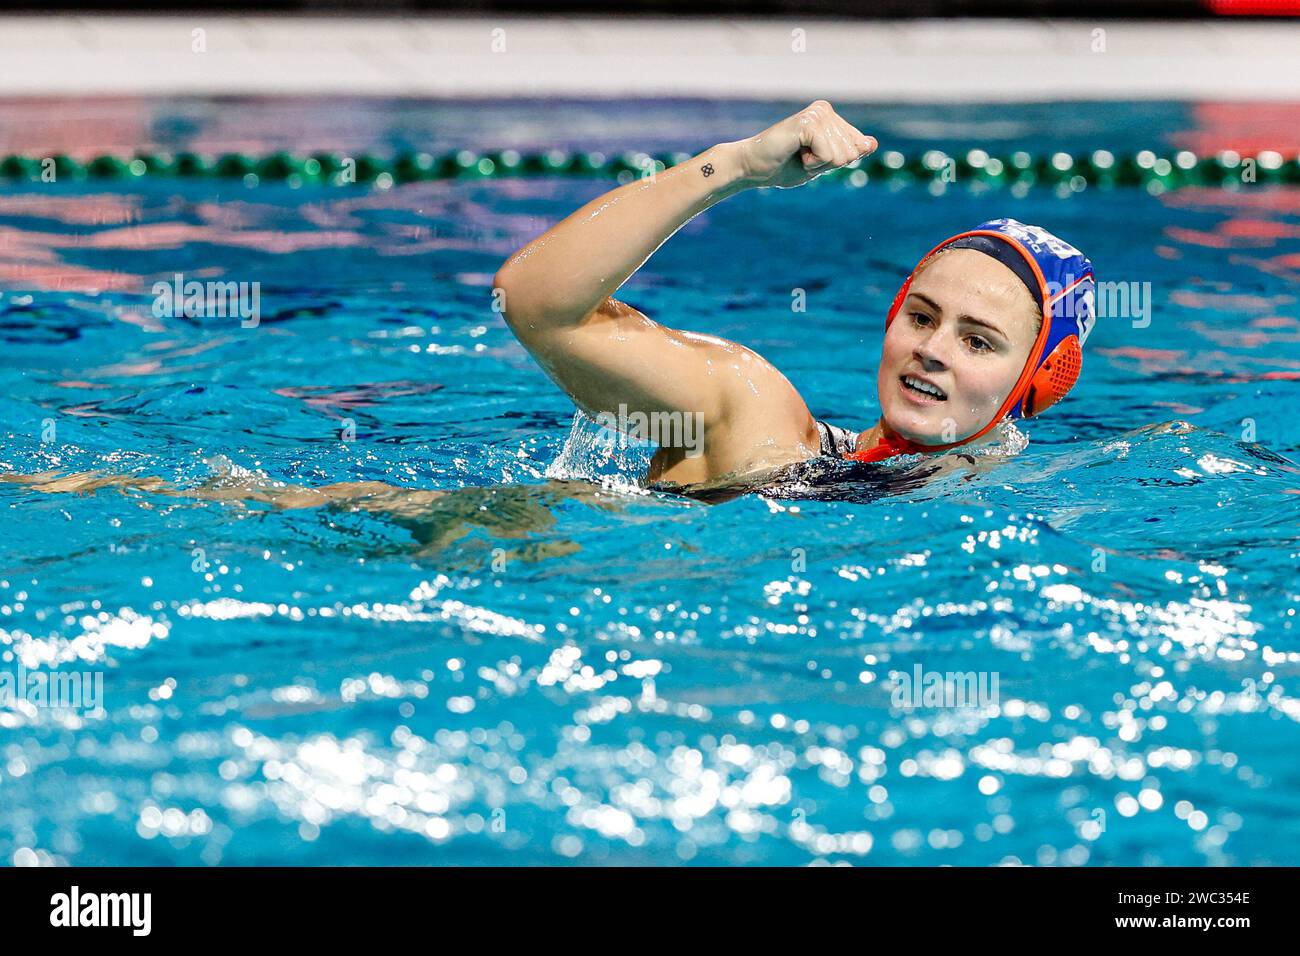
[[920, 318], [979, 344]]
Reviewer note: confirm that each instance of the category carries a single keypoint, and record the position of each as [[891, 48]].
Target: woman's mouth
[[920, 391]]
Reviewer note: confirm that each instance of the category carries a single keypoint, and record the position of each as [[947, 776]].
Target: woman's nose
[[934, 352]]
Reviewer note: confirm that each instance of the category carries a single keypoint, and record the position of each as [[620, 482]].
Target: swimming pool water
[[536, 668]]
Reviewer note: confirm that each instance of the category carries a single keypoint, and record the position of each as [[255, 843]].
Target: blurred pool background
[[536, 669]]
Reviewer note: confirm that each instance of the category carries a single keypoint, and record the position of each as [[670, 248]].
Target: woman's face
[[965, 329]]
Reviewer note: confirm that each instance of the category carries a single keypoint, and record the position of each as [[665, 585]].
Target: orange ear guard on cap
[[1054, 377]]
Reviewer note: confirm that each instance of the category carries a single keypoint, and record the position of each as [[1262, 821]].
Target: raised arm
[[605, 354]]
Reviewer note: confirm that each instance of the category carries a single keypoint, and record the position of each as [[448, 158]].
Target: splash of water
[[1010, 440], [597, 454]]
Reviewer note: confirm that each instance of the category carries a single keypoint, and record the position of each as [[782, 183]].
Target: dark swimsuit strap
[[836, 442], [841, 443]]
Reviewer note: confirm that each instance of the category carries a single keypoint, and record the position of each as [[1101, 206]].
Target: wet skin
[[557, 297]]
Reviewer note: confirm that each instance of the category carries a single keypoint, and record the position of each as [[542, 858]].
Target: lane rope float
[[1019, 170]]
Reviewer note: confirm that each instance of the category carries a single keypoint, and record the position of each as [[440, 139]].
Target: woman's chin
[[914, 427], [921, 430]]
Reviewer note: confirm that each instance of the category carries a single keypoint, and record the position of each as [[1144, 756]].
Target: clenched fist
[[802, 147]]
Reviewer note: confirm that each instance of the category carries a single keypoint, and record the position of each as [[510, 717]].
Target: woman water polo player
[[987, 327]]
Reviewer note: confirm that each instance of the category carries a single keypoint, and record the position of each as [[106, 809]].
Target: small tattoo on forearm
[[708, 170]]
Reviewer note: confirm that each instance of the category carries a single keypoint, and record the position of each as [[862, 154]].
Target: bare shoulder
[[763, 421]]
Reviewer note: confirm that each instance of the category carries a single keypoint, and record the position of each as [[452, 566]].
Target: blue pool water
[[537, 668]]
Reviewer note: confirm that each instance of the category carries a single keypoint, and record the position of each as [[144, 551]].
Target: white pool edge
[[792, 58]]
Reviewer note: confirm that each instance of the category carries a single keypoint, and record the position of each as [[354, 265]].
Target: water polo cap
[[1060, 279]]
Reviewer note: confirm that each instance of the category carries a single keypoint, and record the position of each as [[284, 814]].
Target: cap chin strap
[[890, 444]]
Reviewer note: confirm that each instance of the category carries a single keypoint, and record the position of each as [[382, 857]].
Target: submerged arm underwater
[[435, 518]]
